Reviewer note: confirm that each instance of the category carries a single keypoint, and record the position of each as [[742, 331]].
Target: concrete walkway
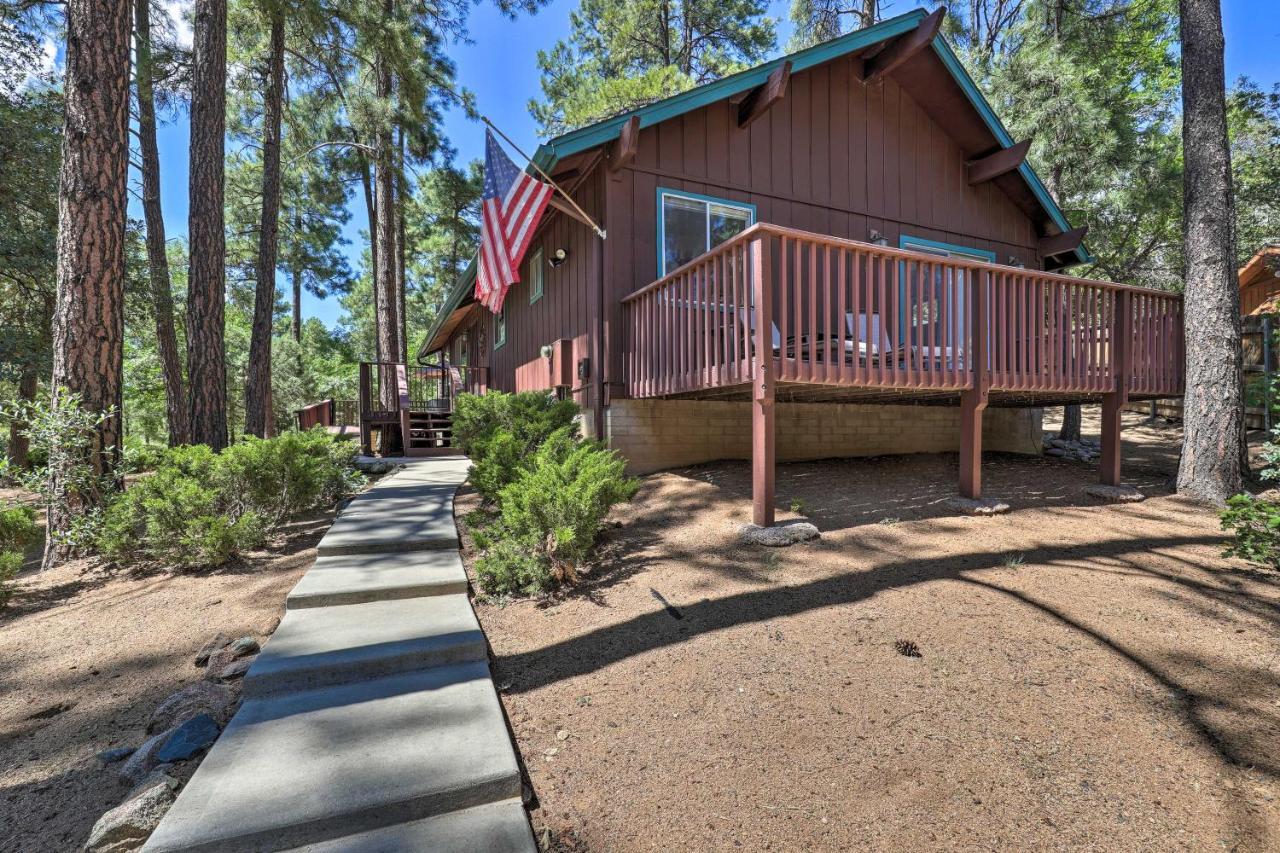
[[370, 721]]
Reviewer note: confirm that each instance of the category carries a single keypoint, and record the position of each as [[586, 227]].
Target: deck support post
[[972, 404], [1113, 403], [762, 381], [366, 434], [973, 401]]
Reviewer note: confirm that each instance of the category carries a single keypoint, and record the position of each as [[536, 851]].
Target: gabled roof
[[1264, 263], [603, 132]]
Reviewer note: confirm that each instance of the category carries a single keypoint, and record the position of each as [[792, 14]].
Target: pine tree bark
[[1070, 429], [206, 279], [19, 447], [259, 419], [297, 305], [88, 319], [402, 324], [384, 297], [1213, 452], [157, 259]]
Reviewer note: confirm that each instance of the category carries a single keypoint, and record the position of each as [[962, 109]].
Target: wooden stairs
[[427, 433]]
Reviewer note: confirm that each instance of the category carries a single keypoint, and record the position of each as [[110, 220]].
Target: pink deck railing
[[844, 313]]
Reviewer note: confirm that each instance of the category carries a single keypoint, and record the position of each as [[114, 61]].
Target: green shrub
[[530, 417], [1255, 524], [10, 563], [500, 432], [552, 514], [18, 528], [201, 508]]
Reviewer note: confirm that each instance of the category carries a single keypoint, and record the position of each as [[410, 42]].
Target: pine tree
[[1213, 451], [88, 321], [206, 278], [176, 407], [622, 54]]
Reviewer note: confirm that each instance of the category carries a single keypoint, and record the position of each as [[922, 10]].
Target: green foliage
[[1254, 524], [551, 515], [18, 528], [622, 54], [500, 432], [201, 508], [10, 563]]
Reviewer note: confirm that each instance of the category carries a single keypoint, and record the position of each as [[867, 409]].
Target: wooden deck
[[780, 314]]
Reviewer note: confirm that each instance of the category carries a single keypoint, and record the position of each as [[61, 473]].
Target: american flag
[[511, 206]]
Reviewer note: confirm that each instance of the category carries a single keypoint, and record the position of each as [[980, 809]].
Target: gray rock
[[219, 661], [161, 775], [186, 740], [1055, 451], [236, 669], [977, 506], [244, 646], [200, 698], [1115, 494], [119, 753], [130, 824], [143, 761], [219, 641], [779, 535]]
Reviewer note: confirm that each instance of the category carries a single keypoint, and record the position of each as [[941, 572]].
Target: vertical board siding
[[833, 157]]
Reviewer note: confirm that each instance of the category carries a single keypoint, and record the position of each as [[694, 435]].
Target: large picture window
[[690, 225]]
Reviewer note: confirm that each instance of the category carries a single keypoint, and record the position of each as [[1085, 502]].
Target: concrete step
[[320, 765], [360, 578], [323, 646], [494, 828], [405, 514]]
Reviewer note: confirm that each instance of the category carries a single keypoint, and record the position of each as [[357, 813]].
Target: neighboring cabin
[[879, 137]]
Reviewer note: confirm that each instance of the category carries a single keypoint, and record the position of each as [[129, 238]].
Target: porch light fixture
[[1015, 261], [558, 257], [878, 238]]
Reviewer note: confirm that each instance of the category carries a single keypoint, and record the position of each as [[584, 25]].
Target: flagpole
[[550, 180]]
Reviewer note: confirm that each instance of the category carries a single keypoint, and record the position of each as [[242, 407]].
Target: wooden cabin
[[841, 252], [1260, 282]]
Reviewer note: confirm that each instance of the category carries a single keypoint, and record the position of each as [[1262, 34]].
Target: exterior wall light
[[558, 257]]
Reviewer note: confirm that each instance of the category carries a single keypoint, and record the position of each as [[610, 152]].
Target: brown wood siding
[[834, 157], [566, 309]]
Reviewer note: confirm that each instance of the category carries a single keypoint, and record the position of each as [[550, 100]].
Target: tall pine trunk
[[206, 279], [18, 449], [402, 324], [175, 401], [1213, 451], [88, 319], [258, 417], [297, 305], [384, 297]]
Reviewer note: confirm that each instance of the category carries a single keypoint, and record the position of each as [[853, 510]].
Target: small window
[[691, 225], [536, 270], [500, 328]]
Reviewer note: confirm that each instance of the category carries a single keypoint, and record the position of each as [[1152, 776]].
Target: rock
[[219, 641], [161, 776], [244, 646], [191, 737], [200, 698], [236, 669], [130, 824], [111, 756], [1115, 494], [1055, 451], [143, 761], [780, 535], [218, 661], [977, 506]]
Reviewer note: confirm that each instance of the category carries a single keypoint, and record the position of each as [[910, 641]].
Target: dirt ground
[[1090, 676], [86, 654]]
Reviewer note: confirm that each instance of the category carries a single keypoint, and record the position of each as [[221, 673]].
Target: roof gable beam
[[762, 97], [622, 151], [1000, 163], [903, 48], [1067, 241]]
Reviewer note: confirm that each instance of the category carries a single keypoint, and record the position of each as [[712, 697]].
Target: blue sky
[[500, 67]]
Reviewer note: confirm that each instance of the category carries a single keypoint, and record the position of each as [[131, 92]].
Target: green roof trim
[[603, 132]]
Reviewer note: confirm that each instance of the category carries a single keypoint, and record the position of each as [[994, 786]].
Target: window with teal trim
[[536, 270], [690, 225], [930, 308]]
